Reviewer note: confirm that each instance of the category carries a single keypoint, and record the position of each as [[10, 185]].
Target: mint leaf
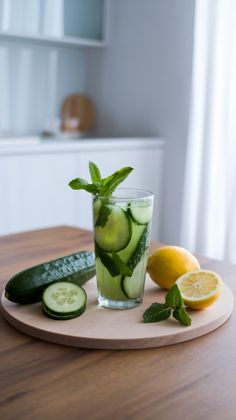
[[82, 184], [114, 264], [94, 173], [157, 312], [110, 183], [181, 315], [103, 214], [108, 262], [174, 298], [123, 268]]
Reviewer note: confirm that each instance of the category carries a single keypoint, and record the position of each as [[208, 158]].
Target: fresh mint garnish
[[157, 312], [104, 187], [174, 298], [181, 315], [82, 184], [103, 214], [110, 183], [173, 302], [94, 173]]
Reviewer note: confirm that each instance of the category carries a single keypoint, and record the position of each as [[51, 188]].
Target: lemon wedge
[[200, 288]]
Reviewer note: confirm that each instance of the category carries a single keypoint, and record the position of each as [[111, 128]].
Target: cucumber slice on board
[[141, 212], [64, 299], [57, 317], [108, 286], [133, 286], [116, 233]]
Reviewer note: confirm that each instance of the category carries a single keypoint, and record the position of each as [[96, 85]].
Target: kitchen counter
[[191, 380], [37, 145]]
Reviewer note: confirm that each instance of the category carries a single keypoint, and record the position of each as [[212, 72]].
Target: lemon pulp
[[200, 288]]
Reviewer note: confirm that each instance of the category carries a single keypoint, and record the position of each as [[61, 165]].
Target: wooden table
[[40, 380]]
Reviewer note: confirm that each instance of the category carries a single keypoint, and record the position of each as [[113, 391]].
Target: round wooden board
[[102, 328]]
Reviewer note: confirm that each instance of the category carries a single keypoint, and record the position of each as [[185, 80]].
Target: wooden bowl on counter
[[77, 114]]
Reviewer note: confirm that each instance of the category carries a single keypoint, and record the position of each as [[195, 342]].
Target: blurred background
[[147, 83]]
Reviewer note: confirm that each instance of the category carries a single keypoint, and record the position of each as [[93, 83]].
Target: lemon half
[[200, 288]]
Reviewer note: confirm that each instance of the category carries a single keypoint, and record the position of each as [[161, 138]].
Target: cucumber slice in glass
[[109, 287], [123, 206], [96, 207], [132, 286], [116, 233], [141, 212], [64, 299], [137, 233]]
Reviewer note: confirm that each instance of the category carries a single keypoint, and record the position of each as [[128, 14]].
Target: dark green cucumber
[[28, 285], [64, 300]]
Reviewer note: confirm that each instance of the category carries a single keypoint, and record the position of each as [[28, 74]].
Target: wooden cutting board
[[116, 329]]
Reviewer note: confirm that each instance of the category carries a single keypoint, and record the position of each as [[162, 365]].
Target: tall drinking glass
[[122, 225]]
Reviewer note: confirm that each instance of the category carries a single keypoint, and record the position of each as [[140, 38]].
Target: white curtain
[[209, 205]]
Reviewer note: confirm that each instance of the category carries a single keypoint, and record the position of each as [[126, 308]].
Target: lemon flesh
[[200, 289], [168, 263]]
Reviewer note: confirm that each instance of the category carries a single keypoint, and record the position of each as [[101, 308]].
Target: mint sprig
[[157, 312], [94, 173], [174, 305], [123, 267], [181, 315], [110, 183], [113, 263], [174, 298], [82, 184], [104, 187]]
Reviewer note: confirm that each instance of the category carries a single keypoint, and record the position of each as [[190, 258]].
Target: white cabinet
[[69, 23], [34, 180], [34, 192]]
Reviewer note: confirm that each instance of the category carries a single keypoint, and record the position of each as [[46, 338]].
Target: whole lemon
[[168, 263]]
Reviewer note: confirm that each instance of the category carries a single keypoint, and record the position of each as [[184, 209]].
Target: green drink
[[122, 225]]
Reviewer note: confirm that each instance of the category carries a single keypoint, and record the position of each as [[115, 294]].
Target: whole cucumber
[[28, 285]]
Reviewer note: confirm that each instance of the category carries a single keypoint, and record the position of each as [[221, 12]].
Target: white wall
[[141, 85], [34, 80]]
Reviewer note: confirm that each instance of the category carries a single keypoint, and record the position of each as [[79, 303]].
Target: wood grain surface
[[39, 380]]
